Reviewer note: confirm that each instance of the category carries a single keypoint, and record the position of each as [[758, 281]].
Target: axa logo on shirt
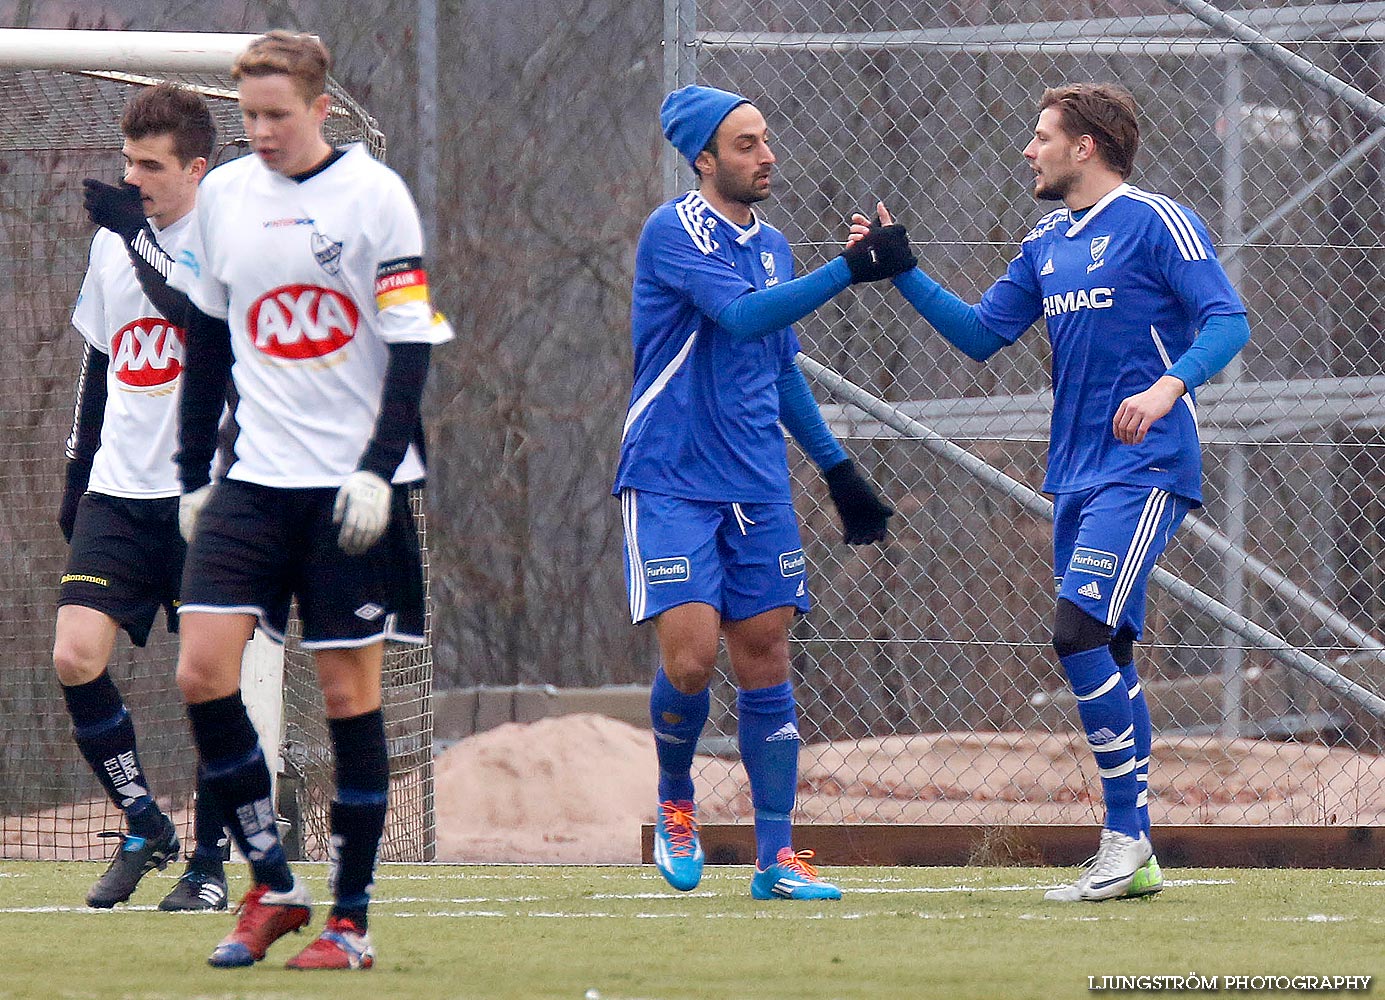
[[1083, 298], [675, 570], [300, 322], [147, 353]]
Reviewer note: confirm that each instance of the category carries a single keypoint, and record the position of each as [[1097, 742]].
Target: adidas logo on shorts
[[1090, 590]]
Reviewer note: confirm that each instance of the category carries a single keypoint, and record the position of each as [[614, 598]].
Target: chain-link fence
[[926, 683]]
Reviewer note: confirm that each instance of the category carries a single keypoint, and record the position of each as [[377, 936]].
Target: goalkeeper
[[120, 508], [712, 542]]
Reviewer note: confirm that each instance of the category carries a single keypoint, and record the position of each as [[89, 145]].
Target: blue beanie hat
[[691, 115]]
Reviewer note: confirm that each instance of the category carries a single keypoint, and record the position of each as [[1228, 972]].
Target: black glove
[[77, 476], [863, 516], [118, 209], [881, 253]]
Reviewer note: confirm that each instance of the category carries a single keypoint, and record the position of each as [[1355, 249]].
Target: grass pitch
[[530, 932]]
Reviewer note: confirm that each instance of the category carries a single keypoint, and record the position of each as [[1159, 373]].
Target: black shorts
[[126, 561], [258, 547]]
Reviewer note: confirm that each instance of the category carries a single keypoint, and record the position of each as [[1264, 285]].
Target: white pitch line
[[1179, 882], [586, 915], [953, 888], [438, 900], [94, 911], [652, 895]]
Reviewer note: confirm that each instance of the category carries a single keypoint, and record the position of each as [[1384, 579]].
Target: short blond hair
[[302, 58]]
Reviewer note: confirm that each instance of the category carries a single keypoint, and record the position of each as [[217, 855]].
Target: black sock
[[213, 846], [104, 733], [235, 769], [358, 811]]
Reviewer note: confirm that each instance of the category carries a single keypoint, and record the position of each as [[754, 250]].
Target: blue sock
[[678, 719], [1144, 737], [767, 724], [1103, 702]]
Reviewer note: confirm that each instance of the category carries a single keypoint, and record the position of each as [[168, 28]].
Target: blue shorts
[[741, 558], [1105, 543]]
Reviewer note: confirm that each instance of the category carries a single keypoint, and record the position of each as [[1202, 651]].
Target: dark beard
[[746, 195], [1054, 192]]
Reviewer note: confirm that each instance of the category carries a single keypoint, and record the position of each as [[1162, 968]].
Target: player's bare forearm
[[1138, 413]]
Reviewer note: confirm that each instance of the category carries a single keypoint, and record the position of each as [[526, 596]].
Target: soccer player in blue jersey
[[1139, 314], [712, 543]]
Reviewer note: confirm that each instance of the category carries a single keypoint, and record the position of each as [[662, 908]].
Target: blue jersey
[[703, 422], [1123, 290]]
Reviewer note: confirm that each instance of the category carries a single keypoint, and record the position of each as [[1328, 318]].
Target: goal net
[[59, 124]]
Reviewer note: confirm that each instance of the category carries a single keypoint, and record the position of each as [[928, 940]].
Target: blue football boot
[[791, 877], [677, 850]]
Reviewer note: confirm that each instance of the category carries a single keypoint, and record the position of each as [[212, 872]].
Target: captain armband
[[400, 281]]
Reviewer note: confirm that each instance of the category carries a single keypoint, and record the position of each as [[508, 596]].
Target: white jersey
[[139, 433], [314, 278]]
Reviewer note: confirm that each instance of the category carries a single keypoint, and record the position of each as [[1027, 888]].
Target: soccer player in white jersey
[[120, 506], [1139, 314], [306, 271], [712, 542]]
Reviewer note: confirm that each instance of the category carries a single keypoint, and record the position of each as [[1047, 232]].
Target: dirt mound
[[577, 788], [572, 789]]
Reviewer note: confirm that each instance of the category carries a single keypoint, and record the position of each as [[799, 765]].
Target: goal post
[[61, 97], [165, 52]]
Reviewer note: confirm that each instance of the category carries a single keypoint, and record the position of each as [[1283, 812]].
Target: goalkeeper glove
[[363, 511], [190, 509], [118, 209], [864, 517], [882, 253]]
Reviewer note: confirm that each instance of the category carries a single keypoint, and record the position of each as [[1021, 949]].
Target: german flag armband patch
[[400, 281]]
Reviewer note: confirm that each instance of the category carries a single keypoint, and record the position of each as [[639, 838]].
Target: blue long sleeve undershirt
[[756, 314], [798, 411], [950, 316], [1216, 344]]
